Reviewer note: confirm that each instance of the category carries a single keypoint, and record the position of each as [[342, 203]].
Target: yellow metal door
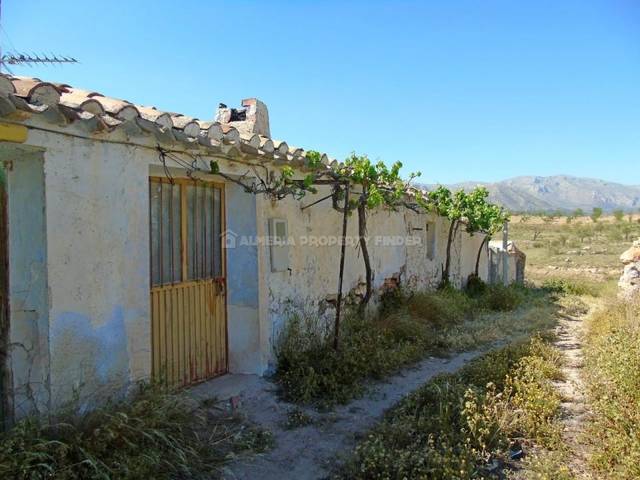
[[188, 298]]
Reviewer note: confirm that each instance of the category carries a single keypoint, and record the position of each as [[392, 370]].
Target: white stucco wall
[[423, 273], [497, 258], [96, 306], [313, 269], [98, 238], [96, 312], [471, 245]]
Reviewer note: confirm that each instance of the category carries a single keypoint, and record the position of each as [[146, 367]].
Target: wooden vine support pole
[[505, 255], [485, 240], [336, 337]]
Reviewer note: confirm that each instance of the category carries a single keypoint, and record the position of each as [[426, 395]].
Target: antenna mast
[[0, 42], [17, 58], [29, 60]]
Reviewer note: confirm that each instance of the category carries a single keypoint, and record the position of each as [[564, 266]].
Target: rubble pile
[[629, 283]]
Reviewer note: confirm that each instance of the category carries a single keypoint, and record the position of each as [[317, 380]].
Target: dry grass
[[611, 372], [583, 260], [536, 316], [408, 328], [156, 435], [586, 251], [562, 219], [466, 425]]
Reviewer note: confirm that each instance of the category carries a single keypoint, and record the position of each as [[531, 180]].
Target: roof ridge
[[64, 104]]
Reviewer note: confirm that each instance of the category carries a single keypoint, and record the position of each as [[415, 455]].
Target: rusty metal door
[[188, 297]]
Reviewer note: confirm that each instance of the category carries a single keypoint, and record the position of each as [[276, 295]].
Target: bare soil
[[575, 409], [313, 451]]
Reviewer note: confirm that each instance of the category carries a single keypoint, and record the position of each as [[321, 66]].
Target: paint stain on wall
[[242, 260], [94, 355]]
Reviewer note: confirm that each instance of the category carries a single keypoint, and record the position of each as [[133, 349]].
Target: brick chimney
[[252, 118]]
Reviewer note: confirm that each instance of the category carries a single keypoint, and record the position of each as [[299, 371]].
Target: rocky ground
[[575, 409], [629, 283]]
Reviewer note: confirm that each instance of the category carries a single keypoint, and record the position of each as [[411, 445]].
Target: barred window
[[186, 231]]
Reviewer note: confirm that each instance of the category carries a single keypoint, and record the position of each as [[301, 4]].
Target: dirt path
[[575, 411], [312, 451]]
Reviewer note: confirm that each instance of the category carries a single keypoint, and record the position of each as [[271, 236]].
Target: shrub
[[570, 287], [408, 327], [454, 425], [157, 435], [392, 300], [445, 307], [475, 286], [612, 362], [310, 370], [296, 418], [500, 298]]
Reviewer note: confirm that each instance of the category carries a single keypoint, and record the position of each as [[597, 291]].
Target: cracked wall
[[28, 288], [98, 230], [92, 329], [312, 276]]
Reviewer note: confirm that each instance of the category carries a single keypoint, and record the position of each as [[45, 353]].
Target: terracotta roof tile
[[37, 91], [61, 104]]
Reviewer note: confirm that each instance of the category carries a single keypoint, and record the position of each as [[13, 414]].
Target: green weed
[[547, 465], [309, 370], [456, 426], [576, 287], [156, 435], [296, 418], [612, 363]]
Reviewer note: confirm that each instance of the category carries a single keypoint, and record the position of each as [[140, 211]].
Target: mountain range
[[558, 192]]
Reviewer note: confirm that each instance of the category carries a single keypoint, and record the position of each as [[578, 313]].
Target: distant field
[[562, 220], [581, 249]]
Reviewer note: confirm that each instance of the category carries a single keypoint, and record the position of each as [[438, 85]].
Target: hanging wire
[[256, 184], [162, 154]]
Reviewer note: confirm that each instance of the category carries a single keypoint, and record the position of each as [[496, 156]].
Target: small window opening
[[431, 240], [279, 246]]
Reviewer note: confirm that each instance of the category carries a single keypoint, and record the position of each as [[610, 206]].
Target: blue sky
[[459, 90]]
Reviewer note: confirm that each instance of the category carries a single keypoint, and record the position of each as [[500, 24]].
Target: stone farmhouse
[[124, 260]]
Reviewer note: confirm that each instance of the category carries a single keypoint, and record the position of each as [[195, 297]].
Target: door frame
[[182, 182], [5, 376]]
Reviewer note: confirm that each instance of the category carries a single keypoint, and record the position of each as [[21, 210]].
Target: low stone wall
[[629, 283]]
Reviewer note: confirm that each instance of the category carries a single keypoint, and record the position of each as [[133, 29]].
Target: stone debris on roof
[[241, 133]]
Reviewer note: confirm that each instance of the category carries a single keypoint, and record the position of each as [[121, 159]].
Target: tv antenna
[[19, 58]]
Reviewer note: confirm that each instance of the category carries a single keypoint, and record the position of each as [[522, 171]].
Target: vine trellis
[[379, 187]]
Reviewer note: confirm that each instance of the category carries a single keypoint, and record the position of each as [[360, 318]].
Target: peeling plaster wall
[[96, 315], [28, 301], [313, 273], [96, 265], [97, 217], [470, 246], [497, 257], [422, 272], [243, 283]]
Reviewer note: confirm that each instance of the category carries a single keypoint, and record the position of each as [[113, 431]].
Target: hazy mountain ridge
[[559, 192]]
